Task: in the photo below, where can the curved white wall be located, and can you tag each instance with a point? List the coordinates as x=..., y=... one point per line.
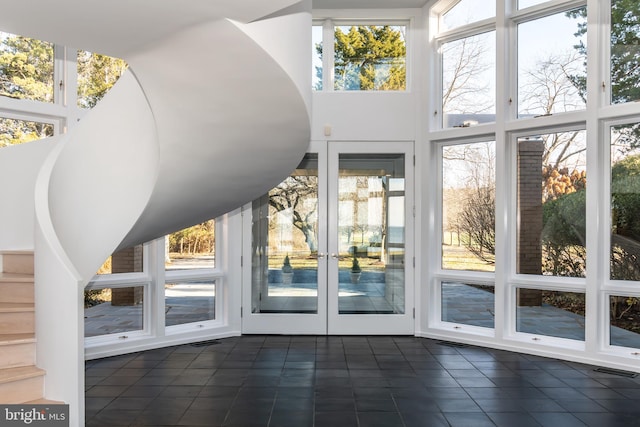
x=103, y=176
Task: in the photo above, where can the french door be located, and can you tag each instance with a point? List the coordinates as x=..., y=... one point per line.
x=331, y=247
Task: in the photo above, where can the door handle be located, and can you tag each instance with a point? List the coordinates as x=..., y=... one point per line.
x=321, y=255
x=334, y=256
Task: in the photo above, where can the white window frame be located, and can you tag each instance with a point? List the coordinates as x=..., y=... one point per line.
x=154, y=276
x=330, y=19
x=523, y=16
x=441, y=274
x=611, y=287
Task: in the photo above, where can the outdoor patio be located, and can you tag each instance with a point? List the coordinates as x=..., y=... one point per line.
x=186, y=303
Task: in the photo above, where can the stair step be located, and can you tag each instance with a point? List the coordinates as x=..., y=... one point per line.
x=17, y=350
x=16, y=307
x=16, y=288
x=17, y=318
x=17, y=262
x=12, y=339
x=16, y=277
x=16, y=374
x=23, y=384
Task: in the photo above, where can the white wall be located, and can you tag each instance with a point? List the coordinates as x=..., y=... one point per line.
x=364, y=116
x=19, y=167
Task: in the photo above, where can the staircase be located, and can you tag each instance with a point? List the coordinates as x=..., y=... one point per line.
x=20, y=380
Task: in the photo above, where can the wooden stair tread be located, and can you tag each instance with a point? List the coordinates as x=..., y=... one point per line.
x=16, y=277
x=23, y=372
x=16, y=307
x=7, y=339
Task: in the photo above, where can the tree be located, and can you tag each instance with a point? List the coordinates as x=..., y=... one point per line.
x=474, y=203
x=564, y=235
x=478, y=220
x=26, y=68
x=549, y=87
x=26, y=72
x=292, y=195
x=96, y=75
x=464, y=64
x=369, y=58
x=197, y=239
x=18, y=131
x=625, y=45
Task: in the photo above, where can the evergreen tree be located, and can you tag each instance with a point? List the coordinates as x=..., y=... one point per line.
x=26, y=72
x=625, y=50
x=369, y=58
x=26, y=68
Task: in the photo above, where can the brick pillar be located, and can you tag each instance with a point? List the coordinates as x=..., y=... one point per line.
x=529, y=252
x=127, y=261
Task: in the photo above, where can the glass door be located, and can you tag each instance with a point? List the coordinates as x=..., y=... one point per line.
x=353, y=199
x=287, y=292
x=370, y=267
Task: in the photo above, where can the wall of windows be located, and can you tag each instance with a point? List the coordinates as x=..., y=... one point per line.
x=532, y=108
x=164, y=292
x=511, y=109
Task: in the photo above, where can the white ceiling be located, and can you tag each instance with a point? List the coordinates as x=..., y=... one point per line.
x=367, y=4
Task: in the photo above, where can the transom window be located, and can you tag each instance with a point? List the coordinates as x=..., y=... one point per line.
x=366, y=57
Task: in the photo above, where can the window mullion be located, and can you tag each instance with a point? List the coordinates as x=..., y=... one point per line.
x=503, y=303
x=597, y=241
x=328, y=52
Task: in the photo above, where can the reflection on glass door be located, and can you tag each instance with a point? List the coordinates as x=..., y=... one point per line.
x=371, y=234
x=285, y=244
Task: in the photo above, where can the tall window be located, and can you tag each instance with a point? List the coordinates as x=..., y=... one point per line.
x=190, y=288
x=468, y=80
x=468, y=206
x=466, y=46
x=625, y=202
x=468, y=232
x=552, y=180
x=552, y=64
x=625, y=51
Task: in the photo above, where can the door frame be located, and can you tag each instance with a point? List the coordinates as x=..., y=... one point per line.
x=370, y=323
x=327, y=320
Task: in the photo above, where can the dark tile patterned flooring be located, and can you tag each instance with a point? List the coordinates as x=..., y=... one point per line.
x=298, y=381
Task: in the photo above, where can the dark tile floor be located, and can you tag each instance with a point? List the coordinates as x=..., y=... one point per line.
x=337, y=381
